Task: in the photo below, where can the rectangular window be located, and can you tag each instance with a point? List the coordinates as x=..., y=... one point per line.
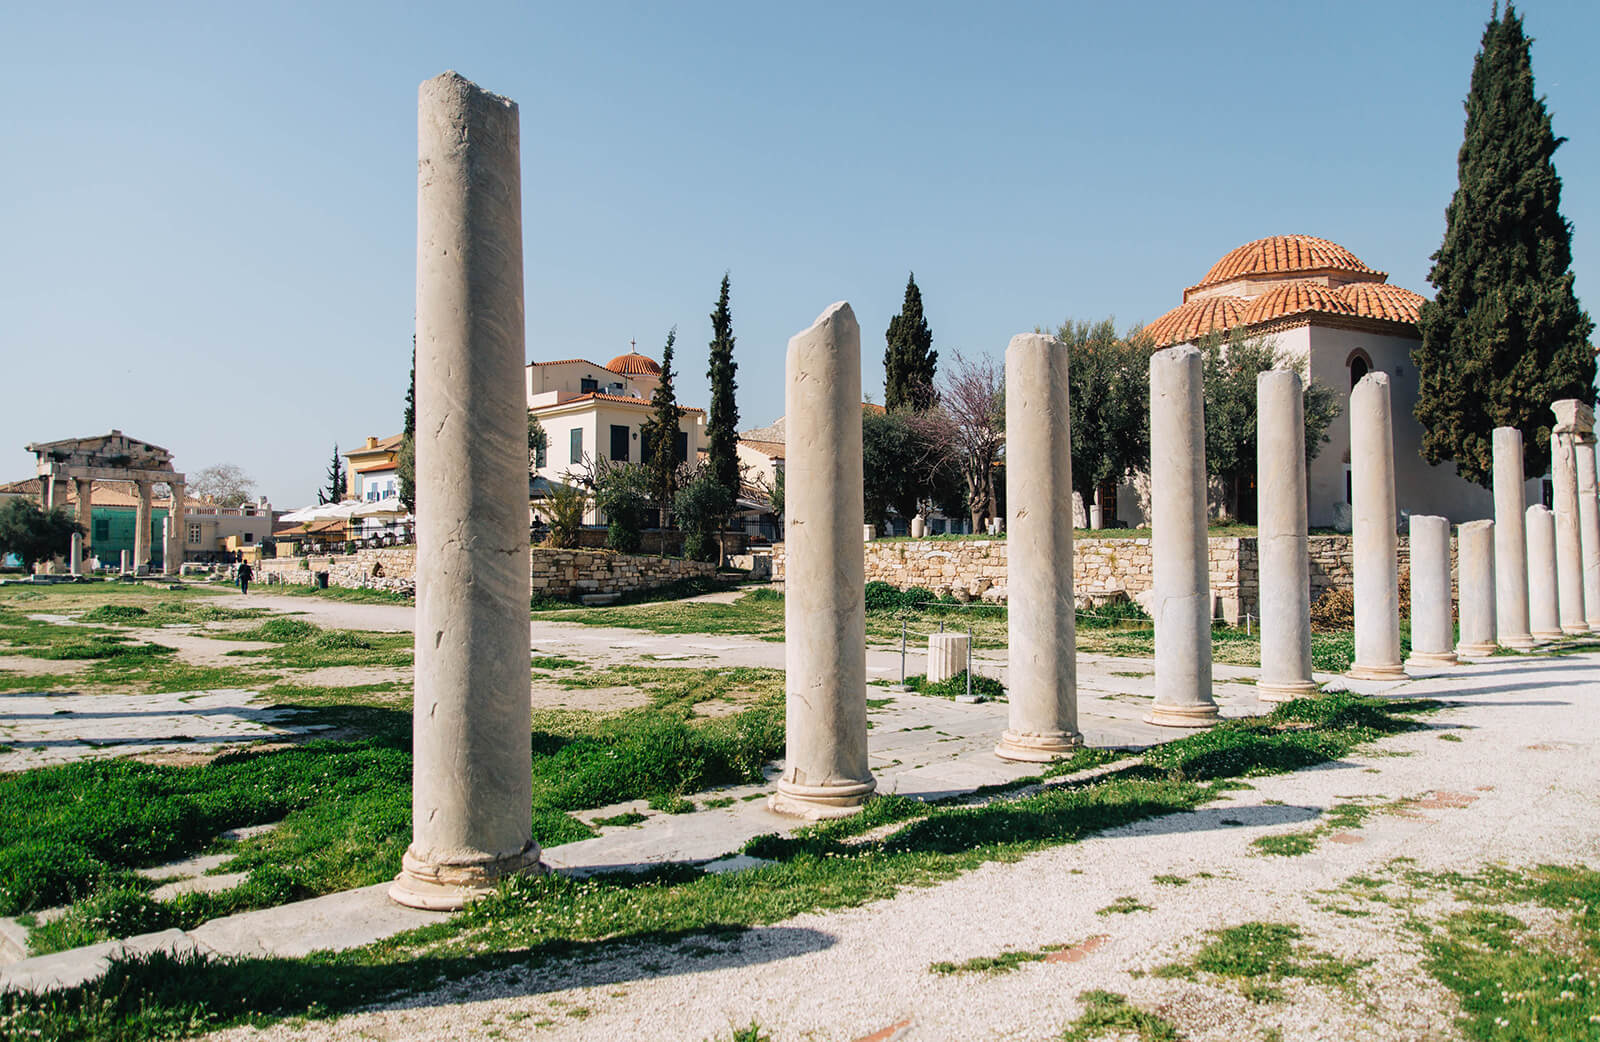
x=249, y=537
x=541, y=456
x=680, y=448
x=194, y=535
x=619, y=443
x=576, y=440
x=588, y=386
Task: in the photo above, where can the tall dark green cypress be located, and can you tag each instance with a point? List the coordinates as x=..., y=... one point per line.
x=722, y=426
x=660, y=436
x=1505, y=335
x=909, y=360
x=406, y=458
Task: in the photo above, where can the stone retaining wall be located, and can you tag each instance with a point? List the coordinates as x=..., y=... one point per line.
x=554, y=573
x=976, y=568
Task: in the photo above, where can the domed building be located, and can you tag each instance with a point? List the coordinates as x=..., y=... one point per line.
x=1321, y=302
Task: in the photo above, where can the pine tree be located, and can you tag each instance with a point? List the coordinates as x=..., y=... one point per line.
x=660, y=436
x=334, y=493
x=909, y=361
x=722, y=426
x=1505, y=335
x=406, y=458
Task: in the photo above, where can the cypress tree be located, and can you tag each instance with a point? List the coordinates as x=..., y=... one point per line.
x=722, y=426
x=336, y=476
x=660, y=436
x=1505, y=335
x=909, y=360
x=406, y=459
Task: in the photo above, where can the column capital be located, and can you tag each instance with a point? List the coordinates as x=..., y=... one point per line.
x=1573, y=416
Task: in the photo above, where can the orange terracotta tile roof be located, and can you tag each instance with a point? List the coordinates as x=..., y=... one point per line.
x=634, y=364
x=1295, y=298
x=104, y=493
x=770, y=449
x=1383, y=301
x=377, y=464
x=389, y=444
x=567, y=361
x=601, y=396
x=1193, y=320
x=1283, y=255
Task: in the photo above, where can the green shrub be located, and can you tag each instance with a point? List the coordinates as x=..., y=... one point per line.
x=115, y=613
x=282, y=631
x=341, y=639
x=988, y=687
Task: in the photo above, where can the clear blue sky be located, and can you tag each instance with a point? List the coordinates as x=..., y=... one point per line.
x=209, y=210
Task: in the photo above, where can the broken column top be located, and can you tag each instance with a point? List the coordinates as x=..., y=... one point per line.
x=1573, y=416
x=451, y=81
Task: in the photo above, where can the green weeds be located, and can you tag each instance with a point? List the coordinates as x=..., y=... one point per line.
x=1106, y=1013
x=1253, y=953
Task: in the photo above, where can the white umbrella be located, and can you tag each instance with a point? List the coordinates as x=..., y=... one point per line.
x=380, y=508
x=299, y=516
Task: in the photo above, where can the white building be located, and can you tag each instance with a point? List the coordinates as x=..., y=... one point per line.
x=592, y=412
x=1320, y=302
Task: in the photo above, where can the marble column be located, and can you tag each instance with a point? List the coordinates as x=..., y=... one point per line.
x=1588, y=526
x=141, y=530
x=1432, y=623
x=1283, y=561
x=1475, y=554
x=1569, y=545
x=825, y=772
x=472, y=777
x=1042, y=720
x=948, y=653
x=1544, y=603
x=1375, y=547
x=177, y=529
x=86, y=519
x=75, y=556
x=1178, y=541
x=1510, y=542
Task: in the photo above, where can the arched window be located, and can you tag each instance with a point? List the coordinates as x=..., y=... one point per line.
x=1360, y=364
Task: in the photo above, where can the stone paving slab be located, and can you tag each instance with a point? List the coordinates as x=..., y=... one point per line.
x=45, y=729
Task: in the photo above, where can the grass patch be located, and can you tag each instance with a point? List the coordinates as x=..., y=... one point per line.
x=1106, y=1013
x=555, y=662
x=1337, y=818
x=671, y=803
x=353, y=594
x=1124, y=905
x=622, y=820
x=1005, y=962
x=552, y=918
x=1252, y=953
x=952, y=687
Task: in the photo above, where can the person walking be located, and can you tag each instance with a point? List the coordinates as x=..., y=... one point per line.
x=245, y=574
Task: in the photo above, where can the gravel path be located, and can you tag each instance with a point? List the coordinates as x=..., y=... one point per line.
x=1520, y=787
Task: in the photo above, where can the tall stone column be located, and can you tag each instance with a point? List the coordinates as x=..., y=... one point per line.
x=1544, y=603
x=1178, y=541
x=1588, y=526
x=1043, y=710
x=1569, y=545
x=1284, y=565
x=177, y=528
x=1510, y=542
x=1432, y=624
x=1475, y=553
x=75, y=555
x=86, y=518
x=472, y=782
x=1375, y=547
x=825, y=771
x=141, y=530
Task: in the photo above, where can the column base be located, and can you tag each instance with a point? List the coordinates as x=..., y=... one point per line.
x=1517, y=641
x=1594, y=625
x=1363, y=672
x=1036, y=747
x=1431, y=659
x=820, y=802
x=1482, y=650
x=1571, y=630
x=1183, y=716
x=1285, y=692
x=1545, y=636
x=449, y=888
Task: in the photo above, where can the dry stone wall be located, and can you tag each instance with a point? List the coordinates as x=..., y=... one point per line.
x=972, y=569
x=555, y=573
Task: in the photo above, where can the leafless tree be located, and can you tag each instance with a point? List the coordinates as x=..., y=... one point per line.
x=966, y=427
x=225, y=483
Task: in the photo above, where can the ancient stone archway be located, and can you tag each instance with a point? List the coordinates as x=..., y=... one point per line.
x=113, y=457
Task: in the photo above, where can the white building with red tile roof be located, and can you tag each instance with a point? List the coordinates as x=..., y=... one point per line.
x=1322, y=303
